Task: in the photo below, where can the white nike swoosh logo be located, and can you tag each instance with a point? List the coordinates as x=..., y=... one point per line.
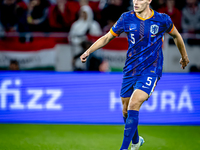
x=126, y=128
x=145, y=87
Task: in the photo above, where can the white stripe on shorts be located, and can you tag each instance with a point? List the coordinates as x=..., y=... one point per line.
x=153, y=87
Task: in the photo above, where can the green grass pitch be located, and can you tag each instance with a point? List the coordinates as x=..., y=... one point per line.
x=94, y=137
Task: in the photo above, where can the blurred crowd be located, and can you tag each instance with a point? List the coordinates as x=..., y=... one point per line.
x=93, y=17
x=80, y=18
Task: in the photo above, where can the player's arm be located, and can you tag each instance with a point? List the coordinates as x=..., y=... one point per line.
x=101, y=42
x=181, y=46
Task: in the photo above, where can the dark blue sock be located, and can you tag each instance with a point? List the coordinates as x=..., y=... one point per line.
x=130, y=128
x=135, y=138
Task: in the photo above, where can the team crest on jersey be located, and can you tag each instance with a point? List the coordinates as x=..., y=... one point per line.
x=154, y=29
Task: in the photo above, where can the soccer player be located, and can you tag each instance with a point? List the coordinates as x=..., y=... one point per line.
x=145, y=29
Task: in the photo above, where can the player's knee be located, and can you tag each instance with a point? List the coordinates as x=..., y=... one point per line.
x=134, y=105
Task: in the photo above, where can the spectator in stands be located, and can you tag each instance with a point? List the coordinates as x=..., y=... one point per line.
x=173, y=12
x=180, y=4
x=83, y=2
x=191, y=17
x=94, y=63
x=112, y=12
x=128, y=4
x=14, y=65
x=94, y=5
x=194, y=68
x=85, y=25
x=37, y=15
x=157, y=4
x=76, y=63
x=2, y=32
x=63, y=14
x=13, y=15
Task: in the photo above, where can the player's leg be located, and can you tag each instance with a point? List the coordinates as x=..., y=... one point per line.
x=125, y=102
x=135, y=102
x=144, y=87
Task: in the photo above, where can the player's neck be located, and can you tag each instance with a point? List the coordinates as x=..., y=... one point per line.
x=145, y=14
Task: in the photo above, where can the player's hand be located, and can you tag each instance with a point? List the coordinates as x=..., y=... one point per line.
x=84, y=56
x=184, y=61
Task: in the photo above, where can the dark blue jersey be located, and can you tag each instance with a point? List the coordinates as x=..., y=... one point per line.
x=145, y=38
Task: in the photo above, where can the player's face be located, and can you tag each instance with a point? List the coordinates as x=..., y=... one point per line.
x=140, y=5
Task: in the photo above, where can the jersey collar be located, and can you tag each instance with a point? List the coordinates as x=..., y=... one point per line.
x=152, y=14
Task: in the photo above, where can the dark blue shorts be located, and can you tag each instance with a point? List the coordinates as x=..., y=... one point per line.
x=146, y=83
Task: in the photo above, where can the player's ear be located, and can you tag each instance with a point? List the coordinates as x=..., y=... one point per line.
x=149, y=1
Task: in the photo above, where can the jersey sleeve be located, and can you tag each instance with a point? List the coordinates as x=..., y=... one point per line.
x=118, y=27
x=169, y=24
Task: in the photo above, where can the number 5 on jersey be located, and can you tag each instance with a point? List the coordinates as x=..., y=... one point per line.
x=132, y=39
